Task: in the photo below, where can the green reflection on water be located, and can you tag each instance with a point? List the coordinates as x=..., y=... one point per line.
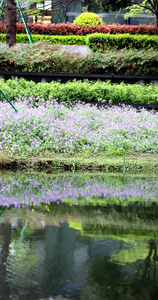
x=108, y=274
x=93, y=250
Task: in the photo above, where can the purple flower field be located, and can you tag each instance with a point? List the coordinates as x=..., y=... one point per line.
x=81, y=128
x=25, y=189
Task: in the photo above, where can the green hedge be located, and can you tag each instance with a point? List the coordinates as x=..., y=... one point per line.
x=96, y=41
x=53, y=39
x=100, y=42
x=87, y=91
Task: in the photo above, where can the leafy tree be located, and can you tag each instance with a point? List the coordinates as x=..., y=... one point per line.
x=146, y=6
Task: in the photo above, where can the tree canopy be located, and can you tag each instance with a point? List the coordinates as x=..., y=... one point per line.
x=146, y=6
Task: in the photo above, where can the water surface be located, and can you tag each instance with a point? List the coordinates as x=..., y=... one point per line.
x=78, y=236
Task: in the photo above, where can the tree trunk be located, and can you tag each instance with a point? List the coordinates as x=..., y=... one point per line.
x=11, y=23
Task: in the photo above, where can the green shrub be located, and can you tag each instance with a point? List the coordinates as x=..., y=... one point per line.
x=100, y=42
x=88, y=19
x=87, y=91
x=49, y=58
x=72, y=29
x=52, y=39
x=97, y=42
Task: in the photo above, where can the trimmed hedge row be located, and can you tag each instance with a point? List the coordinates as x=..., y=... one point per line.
x=54, y=39
x=72, y=29
x=97, y=42
x=101, y=42
x=87, y=91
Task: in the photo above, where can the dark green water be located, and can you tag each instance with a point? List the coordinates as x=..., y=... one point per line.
x=87, y=237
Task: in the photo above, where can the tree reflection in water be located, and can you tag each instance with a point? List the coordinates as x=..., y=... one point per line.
x=6, y=237
x=105, y=280
x=147, y=263
x=91, y=253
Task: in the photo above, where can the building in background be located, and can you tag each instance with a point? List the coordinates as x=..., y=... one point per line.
x=73, y=9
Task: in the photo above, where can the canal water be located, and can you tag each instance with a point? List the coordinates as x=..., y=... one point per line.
x=85, y=236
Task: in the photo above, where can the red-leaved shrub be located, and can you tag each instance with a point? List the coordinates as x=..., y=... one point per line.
x=72, y=29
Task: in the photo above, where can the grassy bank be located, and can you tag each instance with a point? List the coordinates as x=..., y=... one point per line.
x=48, y=134
x=129, y=163
x=52, y=135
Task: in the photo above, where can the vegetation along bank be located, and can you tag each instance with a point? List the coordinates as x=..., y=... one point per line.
x=48, y=134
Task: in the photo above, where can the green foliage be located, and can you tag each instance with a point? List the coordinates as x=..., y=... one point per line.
x=42, y=57
x=52, y=39
x=88, y=18
x=145, y=6
x=3, y=37
x=100, y=42
x=87, y=91
x=64, y=40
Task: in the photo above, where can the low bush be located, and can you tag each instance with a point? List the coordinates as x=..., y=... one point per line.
x=48, y=58
x=88, y=18
x=100, y=42
x=72, y=29
x=88, y=91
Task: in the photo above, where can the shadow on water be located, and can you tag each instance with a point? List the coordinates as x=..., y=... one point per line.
x=66, y=247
